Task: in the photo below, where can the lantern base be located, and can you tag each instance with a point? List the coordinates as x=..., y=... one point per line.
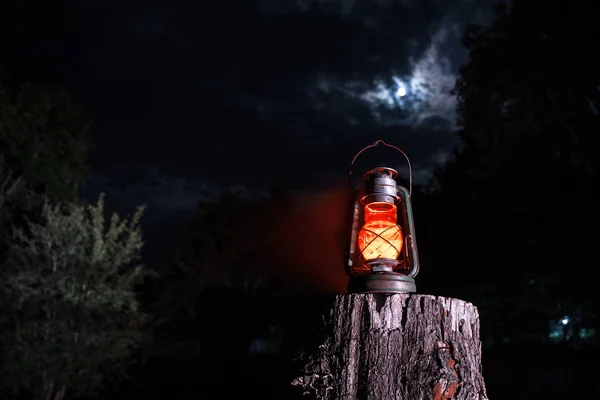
x=382, y=282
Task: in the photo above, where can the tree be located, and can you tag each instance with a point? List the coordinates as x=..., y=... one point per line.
x=521, y=185
x=212, y=279
x=44, y=142
x=70, y=318
x=216, y=253
x=44, y=137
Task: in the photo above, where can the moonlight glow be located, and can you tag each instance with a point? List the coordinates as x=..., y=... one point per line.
x=401, y=92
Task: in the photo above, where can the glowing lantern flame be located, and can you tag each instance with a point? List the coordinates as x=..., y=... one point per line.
x=380, y=237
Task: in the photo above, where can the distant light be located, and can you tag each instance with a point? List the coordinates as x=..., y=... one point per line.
x=565, y=320
x=401, y=92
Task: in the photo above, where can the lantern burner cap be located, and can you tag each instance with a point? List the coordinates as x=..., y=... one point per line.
x=381, y=172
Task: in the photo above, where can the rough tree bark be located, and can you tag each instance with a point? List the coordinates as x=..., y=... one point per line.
x=396, y=347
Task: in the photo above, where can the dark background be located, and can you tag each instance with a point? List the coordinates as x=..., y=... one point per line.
x=270, y=100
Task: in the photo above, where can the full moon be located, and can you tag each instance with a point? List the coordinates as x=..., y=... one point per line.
x=401, y=91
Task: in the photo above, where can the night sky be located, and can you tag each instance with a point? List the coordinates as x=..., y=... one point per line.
x=191, y=97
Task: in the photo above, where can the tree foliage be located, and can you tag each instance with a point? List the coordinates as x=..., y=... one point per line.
x=522, y=186
x=218, y=252
x=44, y=137
x=70, y=317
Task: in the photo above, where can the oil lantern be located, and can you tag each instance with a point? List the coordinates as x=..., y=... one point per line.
x=382, y=254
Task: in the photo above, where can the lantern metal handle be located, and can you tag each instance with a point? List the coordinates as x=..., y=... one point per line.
x=393, y=147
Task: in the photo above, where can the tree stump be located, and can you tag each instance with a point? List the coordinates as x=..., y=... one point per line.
x=396, y=347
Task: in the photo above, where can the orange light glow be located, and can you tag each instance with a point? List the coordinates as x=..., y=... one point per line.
x=380, y=237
